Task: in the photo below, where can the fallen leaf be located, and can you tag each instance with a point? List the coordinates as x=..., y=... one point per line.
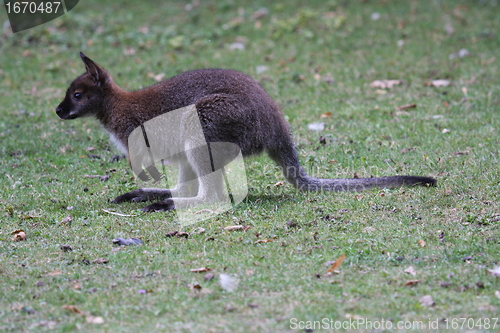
x=19, y=235
x=67, y=220
x=129, y=51
x=234, y=228
x=199, y=230
x=54, y=272
x=73, y=309
x=438, y=83
x=157, y=77
x=410, y=270
x=280, y=183
x=405, y=107
x=427, y=301
x=326, y=115
x=460, y=54
x=101, y=261
x=336, y=264
x=178, y=234
x=200, y=270
x=94, y=320
x=385, y=84
x=261, y=69
x=495, y=271
x=445, y=130
x=263, y=241
x=261, y=12
x=127, y=241
x=237, y=46
x=421, y=242
x=228, y=282
x=316, y=126
x=412, y=282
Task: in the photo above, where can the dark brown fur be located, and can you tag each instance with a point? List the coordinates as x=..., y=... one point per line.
x=232, y=107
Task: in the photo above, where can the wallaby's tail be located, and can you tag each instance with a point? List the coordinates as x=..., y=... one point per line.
x=285, y=155
x=308, y=183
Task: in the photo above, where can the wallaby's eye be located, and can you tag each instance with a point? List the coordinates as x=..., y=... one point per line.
x=77, y=96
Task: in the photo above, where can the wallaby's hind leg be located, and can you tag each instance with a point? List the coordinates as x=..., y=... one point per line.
x=143, y=194
x=201, y=185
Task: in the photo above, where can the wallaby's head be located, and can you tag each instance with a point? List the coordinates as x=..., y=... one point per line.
x=86, y=96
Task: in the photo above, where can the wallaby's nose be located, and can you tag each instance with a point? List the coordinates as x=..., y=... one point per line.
x=59, y=111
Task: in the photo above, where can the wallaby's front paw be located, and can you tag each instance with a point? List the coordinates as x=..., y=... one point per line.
x=164, y=205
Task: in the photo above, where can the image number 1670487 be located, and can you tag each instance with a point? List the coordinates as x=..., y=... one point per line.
x=31, y=7
x=25, y=15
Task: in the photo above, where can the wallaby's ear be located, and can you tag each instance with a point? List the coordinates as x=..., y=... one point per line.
x=97, y=72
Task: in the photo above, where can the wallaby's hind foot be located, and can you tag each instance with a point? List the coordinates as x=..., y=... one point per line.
x=143, y=194
x=164, y=205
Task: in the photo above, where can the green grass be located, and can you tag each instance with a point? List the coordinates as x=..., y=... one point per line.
x=45, y=162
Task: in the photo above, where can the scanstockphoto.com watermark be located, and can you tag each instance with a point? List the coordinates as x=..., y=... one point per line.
x=431, y=324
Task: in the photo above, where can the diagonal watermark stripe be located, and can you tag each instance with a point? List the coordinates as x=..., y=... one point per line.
x=211, y=176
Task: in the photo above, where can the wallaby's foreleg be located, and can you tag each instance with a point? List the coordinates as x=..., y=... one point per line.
x=186, y=176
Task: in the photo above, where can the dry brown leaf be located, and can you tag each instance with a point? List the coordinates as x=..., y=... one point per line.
x=73, y=309
x=263, y=241
x=410, y=270
x=385, y=84
x=336, y=264
x=422, y=243
x=234, y=228
x=19, y=235
x=54, y=272
x=326, y=115
x=405, y=107
x=412, y=282
x=200, y=270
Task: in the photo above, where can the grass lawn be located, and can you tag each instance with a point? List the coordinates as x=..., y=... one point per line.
x=415, y=258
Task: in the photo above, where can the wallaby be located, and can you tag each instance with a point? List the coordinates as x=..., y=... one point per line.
x=231, y=106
